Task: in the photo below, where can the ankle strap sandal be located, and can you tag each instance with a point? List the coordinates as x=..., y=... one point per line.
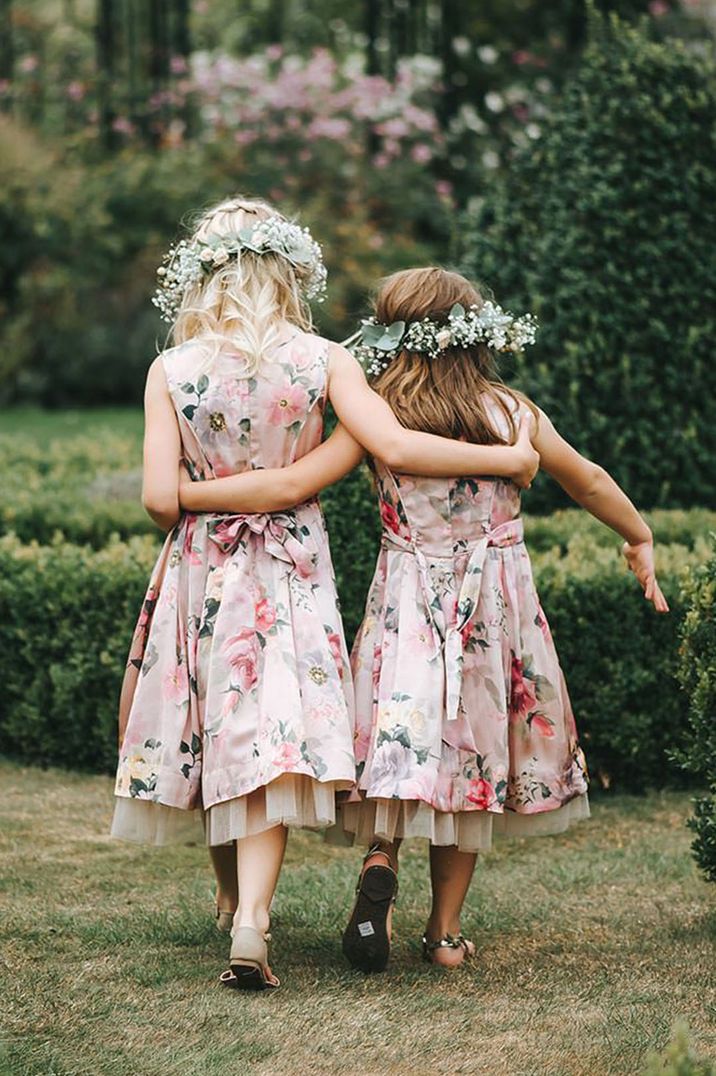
x=450, y=941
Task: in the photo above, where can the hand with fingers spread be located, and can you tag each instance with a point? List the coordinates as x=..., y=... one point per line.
x=640, y=558
x=526, y=455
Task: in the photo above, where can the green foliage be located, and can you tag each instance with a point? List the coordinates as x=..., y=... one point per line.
x=606, y=229
x=698, y=677
x=67, y=616
x=678, y=1058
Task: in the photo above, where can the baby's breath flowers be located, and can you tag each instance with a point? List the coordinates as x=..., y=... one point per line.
x=376, y=345
x=189, y=262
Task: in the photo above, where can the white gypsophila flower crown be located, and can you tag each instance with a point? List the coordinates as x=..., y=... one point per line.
x=376, y=345
x=191, y=261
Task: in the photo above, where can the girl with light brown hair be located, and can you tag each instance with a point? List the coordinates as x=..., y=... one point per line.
x=464, y=727
x=237, y=704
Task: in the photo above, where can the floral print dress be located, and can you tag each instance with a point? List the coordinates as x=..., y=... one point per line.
x=464, y=725
x=238, y=688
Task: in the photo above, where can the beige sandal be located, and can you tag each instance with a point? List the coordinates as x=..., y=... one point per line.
x=248, y=963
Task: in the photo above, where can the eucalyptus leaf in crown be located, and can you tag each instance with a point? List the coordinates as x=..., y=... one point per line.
x=190, y=262
x=376, y=345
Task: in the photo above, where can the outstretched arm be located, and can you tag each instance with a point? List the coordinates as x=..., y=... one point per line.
x=595, y=490
x=274, y=489
x=370, y=420
x=162, y=449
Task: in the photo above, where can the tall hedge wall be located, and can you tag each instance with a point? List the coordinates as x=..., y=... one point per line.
x=606, y=229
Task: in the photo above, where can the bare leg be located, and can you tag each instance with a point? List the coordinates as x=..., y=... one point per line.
x=223, y=859
x=450, y=875
x=258, y=860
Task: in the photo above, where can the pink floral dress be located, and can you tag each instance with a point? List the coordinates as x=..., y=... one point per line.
x=238, y=688
x=464, y=725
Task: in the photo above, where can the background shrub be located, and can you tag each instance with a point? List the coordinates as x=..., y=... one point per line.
x=698, y=676
x=606, y=228
x=67, y=617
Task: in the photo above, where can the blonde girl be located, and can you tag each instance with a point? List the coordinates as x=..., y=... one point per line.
x=464, y=726
x=237, y=704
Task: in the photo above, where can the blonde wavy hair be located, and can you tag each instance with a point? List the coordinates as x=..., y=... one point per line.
x=242, y=305
x=452, y=393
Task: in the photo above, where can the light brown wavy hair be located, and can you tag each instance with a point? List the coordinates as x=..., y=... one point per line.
x=451, y=394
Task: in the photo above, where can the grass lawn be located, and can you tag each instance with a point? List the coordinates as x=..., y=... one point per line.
x=45, y=426
x=590, y=946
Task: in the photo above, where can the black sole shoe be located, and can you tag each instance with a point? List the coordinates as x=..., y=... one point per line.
x=366, y=944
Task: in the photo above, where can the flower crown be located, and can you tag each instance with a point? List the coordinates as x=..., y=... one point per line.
x=376, y=345
x=187, y=263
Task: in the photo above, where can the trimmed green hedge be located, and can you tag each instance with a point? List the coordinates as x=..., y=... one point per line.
x=698, y=676
x=67, y=613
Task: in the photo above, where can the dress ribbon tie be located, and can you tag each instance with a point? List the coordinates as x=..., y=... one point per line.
x=452, y=636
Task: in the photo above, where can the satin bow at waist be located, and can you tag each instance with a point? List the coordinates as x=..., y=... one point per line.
x=451, y=636
x=285, y=536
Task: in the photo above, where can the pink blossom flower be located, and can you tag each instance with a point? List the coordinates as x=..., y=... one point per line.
x=28, y=64
x=443, y=188
x=334, y=642
x=265, y=615
x=481, y=793
x=361, y=742
x=390, y=517
x=240, y=651
x=178, y=65
x=522, y=695
x=657, y=8
x=75, y=90
x=421, y=153
x=274, y=52
x=123, y=126
x=176, y=684
x=541, y=724
x=287, y=757
x=288, y=404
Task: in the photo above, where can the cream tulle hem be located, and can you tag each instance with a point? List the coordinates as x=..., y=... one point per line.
x=471, y=831
x=291, y=800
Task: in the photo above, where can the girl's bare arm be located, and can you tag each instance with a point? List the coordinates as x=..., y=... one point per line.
x=275, y=489
x=162, y=449
x=595, y=490
x=370, y=420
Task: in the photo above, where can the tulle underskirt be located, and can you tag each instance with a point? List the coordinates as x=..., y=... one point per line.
x=291, y=800
x=299, y=801
x=471, y=831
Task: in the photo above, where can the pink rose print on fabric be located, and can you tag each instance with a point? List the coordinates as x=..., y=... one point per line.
x=240, y=651
x=265, y=615
x=541, y=724
x=390, y=517
x=287, y=757
x=188, y=551
x=287, y=405
x=176, y=685
x=522, y=695
x=334, y=642
x=541, y=622
x=481, y=793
